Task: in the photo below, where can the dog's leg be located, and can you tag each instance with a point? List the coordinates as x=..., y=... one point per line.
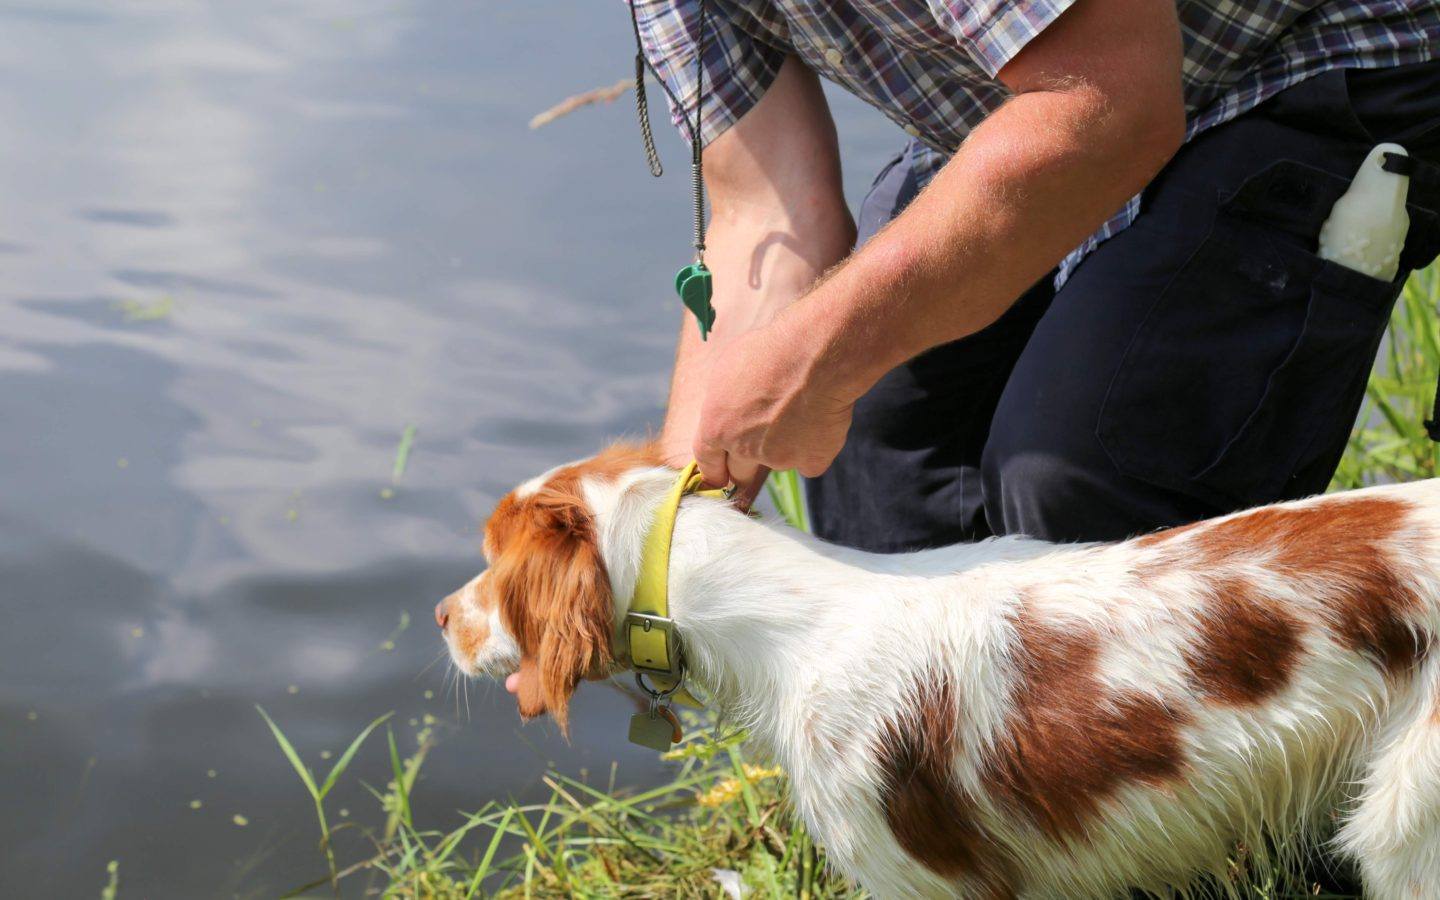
x=1394, y=832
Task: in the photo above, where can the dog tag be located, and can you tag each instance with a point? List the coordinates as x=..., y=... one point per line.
x=651, y=731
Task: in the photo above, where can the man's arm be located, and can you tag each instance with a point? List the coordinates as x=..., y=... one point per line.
x=778, y=221
x=1097, y=111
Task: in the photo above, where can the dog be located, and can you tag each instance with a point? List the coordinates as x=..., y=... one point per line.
x=1014, y=718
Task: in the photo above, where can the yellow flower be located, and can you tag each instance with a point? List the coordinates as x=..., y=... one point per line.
x=723, y=792
x=760, y=773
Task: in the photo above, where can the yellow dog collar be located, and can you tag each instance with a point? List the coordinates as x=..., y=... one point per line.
x=654, y=643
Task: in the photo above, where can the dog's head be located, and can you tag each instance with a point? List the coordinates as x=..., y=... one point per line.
x=544, y=609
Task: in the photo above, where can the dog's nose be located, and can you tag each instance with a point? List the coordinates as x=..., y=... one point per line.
x=441, y=616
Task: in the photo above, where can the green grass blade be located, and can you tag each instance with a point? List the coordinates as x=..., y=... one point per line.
x=401, y=790
x=451, y=841
x=747, y=790
x=290, y=754
x=536, y=843
x=111, y=889
x=787, y=492
x=1386, y=407
x=483, y=868
x=343, y=762
x=402, y=453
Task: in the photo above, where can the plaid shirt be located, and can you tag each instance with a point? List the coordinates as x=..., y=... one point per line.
x=930, y=65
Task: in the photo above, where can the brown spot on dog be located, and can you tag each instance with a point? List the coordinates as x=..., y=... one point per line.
x=1070, y=743
x=1247, y=644
x=550, y=581
x=501, y=526
x=554, y=596
x=932, y=818
x=509, y=515
x=1337, y=549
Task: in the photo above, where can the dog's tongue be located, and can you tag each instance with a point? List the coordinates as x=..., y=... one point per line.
x=512, y=682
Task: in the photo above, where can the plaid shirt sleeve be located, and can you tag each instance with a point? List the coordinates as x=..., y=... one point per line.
x=997, y=30
x=737, y=67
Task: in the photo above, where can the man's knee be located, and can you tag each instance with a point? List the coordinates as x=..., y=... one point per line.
x=1031, y=491
x=1058, y=494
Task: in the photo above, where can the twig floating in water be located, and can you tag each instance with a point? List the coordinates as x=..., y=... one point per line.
x=588, y=98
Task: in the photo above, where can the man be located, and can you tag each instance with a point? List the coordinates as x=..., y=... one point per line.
x=1085, y=301
x=946, y=381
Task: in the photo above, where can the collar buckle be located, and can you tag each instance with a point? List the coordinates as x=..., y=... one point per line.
x=654, y=644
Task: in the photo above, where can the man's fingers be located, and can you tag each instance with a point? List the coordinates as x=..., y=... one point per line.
x=746, y=493
x=712, y=464
x=812, y=469
x=743, y=472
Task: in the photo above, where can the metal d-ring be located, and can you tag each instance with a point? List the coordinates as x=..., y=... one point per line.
x=657, y=696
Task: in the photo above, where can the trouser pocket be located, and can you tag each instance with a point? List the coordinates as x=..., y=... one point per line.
x=1249, y=364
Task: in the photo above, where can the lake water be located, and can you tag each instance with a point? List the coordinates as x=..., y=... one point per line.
x=244, y=246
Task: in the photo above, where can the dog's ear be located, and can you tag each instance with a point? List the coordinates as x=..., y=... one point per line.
x=555, y=596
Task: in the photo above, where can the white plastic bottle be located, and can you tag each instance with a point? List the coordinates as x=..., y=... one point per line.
x=1367, y=226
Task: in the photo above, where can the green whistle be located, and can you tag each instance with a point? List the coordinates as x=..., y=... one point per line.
x=695, y=287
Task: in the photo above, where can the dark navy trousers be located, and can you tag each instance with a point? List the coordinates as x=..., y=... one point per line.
x=1202, y=361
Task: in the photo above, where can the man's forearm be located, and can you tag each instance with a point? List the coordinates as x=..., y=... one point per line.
x=1028, y=186
x=1097, y=112
x=778, y=221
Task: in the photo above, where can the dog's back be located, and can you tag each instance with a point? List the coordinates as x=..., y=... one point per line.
x=1160, y=702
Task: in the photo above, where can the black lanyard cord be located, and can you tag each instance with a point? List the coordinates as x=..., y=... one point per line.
x=642, y=112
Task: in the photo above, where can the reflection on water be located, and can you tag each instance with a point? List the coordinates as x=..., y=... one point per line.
x=244, y=246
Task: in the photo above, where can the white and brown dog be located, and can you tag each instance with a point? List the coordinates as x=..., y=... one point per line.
x=1014, y=718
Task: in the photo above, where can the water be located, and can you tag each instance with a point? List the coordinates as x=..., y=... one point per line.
x=243, y=247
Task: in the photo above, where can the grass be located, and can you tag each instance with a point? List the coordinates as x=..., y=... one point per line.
x=318, y=794
x=787, y=492
x=721, y=818
x=1390, y=443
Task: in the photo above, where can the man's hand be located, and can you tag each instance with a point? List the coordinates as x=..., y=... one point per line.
x=767, y=406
